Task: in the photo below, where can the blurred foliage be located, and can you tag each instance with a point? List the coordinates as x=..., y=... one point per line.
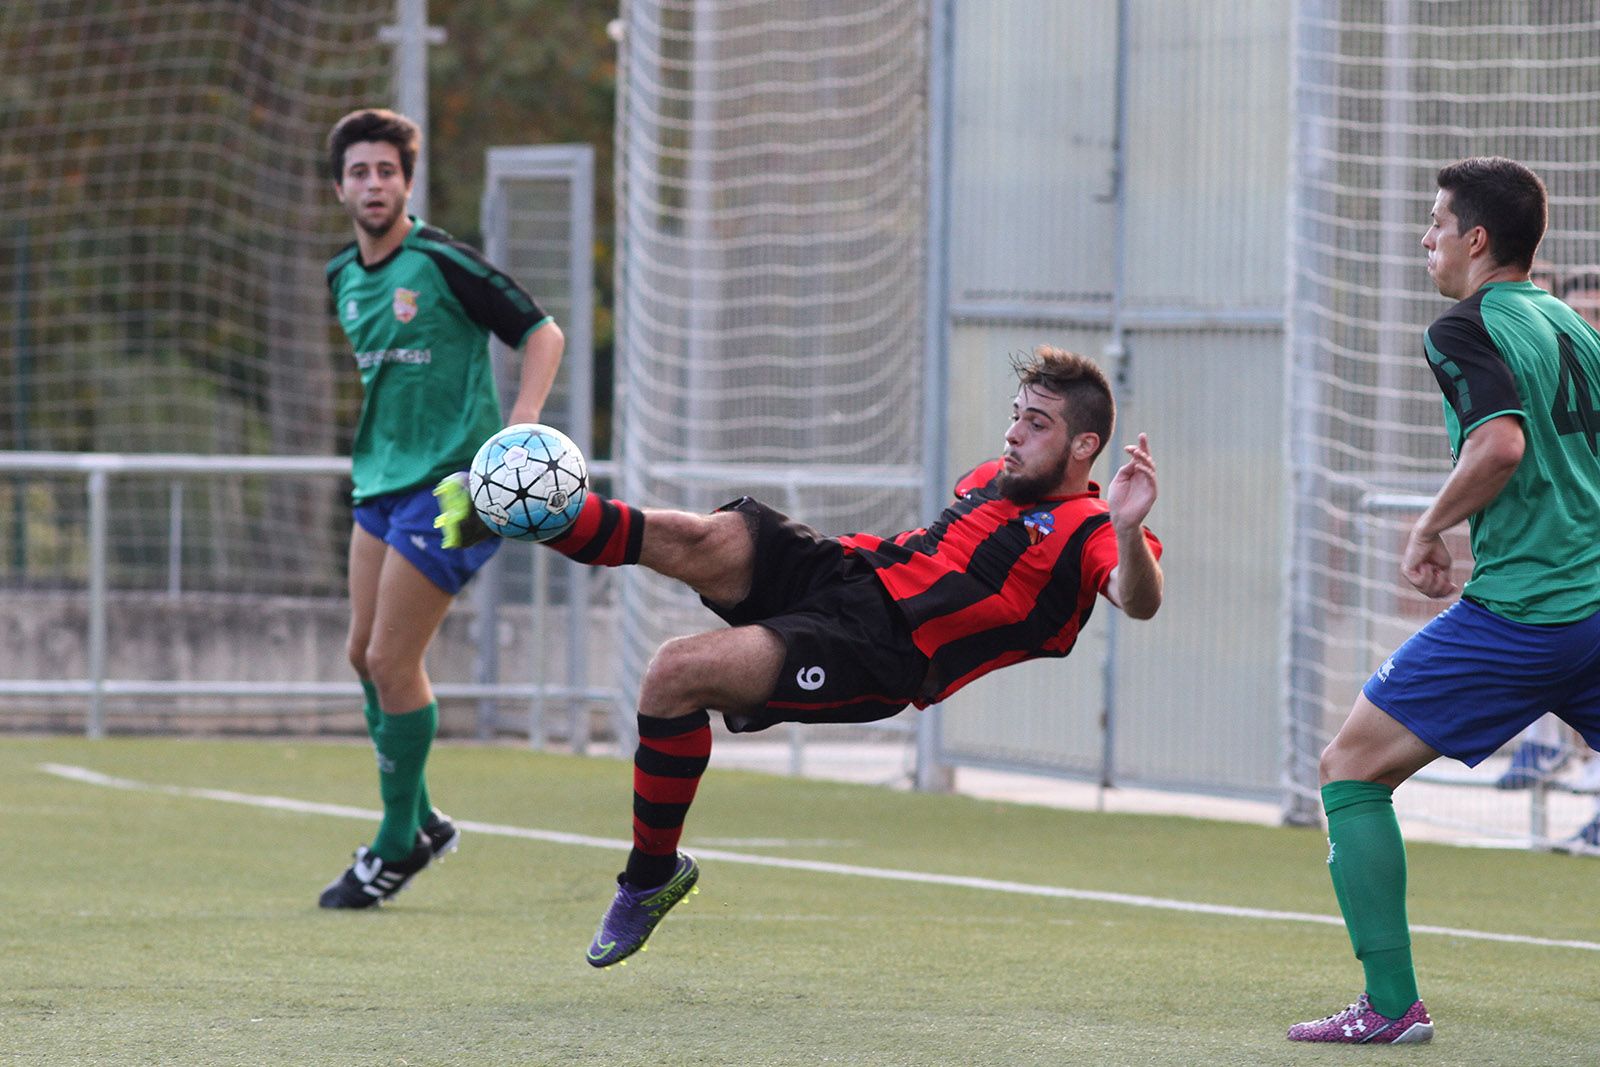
x=168, y=215
x=526, y=72
x=166, y=222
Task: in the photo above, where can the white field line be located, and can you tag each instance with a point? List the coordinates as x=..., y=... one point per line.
x=992, y=885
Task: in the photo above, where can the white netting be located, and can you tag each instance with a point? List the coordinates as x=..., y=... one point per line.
x=166, y=220
x=772, y=183
x=1385, y=93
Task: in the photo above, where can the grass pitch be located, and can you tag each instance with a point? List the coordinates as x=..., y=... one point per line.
x=149, y=927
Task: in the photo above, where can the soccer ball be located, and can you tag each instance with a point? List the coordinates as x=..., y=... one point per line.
x=528, y=482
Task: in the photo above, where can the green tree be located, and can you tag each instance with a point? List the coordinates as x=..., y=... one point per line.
x=520, y=72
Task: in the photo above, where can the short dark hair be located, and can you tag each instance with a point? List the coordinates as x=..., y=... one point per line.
x=1079, y=382
x=374, y=124
x=1505, y=198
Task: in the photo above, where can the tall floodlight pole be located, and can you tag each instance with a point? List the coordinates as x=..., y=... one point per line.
x=411, y=35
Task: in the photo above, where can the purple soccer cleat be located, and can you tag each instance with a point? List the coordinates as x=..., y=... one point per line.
x=1360, y=1025
x=634, y=913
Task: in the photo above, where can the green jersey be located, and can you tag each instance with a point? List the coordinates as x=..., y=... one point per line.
x=419, y=322
x=1513, y=349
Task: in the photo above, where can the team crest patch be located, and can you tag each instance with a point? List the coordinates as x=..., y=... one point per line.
x=405, y=304
x=1039, y=524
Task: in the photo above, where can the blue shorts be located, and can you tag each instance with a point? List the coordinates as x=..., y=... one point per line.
x=1470, y=680
x=404, y=522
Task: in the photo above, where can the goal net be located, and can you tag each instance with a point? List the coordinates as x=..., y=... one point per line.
x=167, y=215
x=1385, y=92
x=771, y=249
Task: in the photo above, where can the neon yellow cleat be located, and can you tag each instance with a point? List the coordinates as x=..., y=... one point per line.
x=457, y=517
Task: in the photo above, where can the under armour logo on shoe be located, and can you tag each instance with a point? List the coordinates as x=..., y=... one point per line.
x=1351, y=1029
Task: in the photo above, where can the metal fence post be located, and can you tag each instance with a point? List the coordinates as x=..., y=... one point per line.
x=931, y=774
x=98, y=479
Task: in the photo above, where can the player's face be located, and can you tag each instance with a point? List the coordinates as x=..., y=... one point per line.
x=373, y=187
x=1449, y=251
x=1039, y=447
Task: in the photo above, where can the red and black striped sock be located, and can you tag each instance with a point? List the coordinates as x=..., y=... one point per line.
x=671, y=757
x=607, y=533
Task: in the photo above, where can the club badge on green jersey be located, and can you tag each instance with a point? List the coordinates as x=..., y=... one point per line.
x=405, y=304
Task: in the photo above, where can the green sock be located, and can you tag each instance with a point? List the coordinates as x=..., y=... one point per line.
x=374, y=716
x=1367, y=861
x=402, y=742
x=424, y=802
x=371, y=710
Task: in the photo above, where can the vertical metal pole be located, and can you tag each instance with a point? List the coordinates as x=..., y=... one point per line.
x=411, y=35
x=97, y=602
x=1116, y=355
x=1539, y=815
x=702, y=261
x=488, y=585
x=580, y=361
x=20, y=399
x=627, y=143
x=174, y=539
x=1398, y=250
x=797, y=741
x=486, y=599
x=541, y=658
x=931, y=774
x=1304, y=622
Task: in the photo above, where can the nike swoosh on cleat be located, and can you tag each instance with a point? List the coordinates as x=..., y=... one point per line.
x=607, y=947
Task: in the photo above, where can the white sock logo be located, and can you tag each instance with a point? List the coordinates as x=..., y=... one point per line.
x=810, y=678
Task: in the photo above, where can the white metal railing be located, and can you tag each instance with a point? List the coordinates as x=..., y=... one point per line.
x=98, y=469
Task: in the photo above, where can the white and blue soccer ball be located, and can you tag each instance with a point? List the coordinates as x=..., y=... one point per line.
x=528, y=482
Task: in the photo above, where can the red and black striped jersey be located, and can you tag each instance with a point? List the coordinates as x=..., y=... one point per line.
x=993, y=583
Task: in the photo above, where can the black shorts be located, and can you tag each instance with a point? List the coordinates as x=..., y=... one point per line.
x=849, y=654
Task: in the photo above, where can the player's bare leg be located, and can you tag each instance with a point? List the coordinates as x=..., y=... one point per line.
x=407, y=612
x=720, y=670
x=367, y=555
x=712, y=554
x=395, y=611
x=365, y=568
x=730, y=670
x=1372, y=746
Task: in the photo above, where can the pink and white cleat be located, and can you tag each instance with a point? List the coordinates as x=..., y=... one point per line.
x=1360, y=1025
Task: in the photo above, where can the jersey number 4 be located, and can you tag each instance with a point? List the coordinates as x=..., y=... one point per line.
x=1574, y=410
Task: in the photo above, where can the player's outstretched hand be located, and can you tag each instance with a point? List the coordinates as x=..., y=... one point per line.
x=1132, y=492
x=457, y=518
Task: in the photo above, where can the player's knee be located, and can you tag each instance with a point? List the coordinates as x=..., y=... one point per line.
x=386, y=666
x=1340, y=762
x=681, y=535
x=356, y=652
x=1327, y=764
x=672, y=680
